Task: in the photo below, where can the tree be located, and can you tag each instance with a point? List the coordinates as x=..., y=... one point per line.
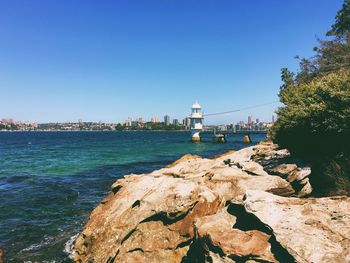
x=331, y=54
x=314, y=121
x=341, y=27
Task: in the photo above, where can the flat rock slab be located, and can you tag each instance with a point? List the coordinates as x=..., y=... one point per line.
x=311, y=230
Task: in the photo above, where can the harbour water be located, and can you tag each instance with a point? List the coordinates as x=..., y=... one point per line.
x=51, y=181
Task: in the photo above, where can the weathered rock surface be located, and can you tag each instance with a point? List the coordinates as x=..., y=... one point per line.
x=312, y=230
x=218, y=231
x=276, y=162
x=193, y=210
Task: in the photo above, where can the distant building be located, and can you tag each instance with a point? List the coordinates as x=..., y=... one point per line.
x=128, y=122
x=273, y=118
x=154, y=120
x=186, y=123
x=250, y=119
x=257, y=121
x=167, y=120
x=141, y=120
x=176, y=122
x=222, y=127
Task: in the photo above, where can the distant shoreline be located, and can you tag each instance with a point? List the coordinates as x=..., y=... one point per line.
x=95, y=131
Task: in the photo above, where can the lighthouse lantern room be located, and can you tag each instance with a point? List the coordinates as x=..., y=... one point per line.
x=196, y=124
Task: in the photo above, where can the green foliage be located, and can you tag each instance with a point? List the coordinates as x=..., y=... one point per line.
x=314, y=121
x=341, y=27
x=332, y=54
x=316, y=117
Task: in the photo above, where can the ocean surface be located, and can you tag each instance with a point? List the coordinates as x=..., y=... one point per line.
x=51, y=181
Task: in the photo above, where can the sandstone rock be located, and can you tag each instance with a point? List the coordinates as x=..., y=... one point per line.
x=179, y=213
x=184, y=158
x=154, y=242
x=232, y=182
x=306, y=188
x=312, y=230
x=160, y=209
x=276, y=162
x=252, y=168
x=144, y=199
x=218, y=231
x=215, y=258
x=223, y=154
x=299, y=174
x=283, y=170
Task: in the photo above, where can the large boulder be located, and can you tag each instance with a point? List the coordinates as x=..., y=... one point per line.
x=159, y=210
x=236, y=207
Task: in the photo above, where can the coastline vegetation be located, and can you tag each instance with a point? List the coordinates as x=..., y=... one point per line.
x=314, y=121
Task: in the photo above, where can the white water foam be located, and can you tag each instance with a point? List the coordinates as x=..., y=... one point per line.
x=68, y=246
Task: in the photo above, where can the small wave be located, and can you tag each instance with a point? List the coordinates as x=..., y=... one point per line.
x=68, y=246
x=37, y=246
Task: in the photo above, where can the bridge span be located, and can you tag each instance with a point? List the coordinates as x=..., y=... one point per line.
x=221, y=136
x=246, y=132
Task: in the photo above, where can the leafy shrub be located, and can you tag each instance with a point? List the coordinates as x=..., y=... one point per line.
x=315, y=121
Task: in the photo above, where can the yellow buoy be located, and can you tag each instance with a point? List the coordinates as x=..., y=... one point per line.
x=196, y=139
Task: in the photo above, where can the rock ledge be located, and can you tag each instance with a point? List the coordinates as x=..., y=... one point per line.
x=242, y=206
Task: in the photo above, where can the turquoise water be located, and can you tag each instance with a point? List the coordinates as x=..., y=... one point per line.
x=50, y=181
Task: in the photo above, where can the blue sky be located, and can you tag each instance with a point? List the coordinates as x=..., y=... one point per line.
x=106, y=60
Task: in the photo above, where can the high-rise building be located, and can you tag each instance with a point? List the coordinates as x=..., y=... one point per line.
x=167, y=120
x=176, y=122
x=186, y=123
x=273, y=118
x=257, y=121
x=250, y=119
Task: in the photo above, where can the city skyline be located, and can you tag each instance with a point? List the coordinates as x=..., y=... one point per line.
x=130, y=121
x=93, y=61
x=156, y=119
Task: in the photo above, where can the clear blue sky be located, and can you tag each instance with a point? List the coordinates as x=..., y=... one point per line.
x=106, y=60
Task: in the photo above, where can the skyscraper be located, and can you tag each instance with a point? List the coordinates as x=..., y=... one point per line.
x=167, y=120
x=186, y=122
x=250, y=119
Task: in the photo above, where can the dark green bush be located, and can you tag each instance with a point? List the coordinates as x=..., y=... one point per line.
x=315, y=119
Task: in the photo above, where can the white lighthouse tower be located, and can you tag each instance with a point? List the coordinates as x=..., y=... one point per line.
x=196, y=124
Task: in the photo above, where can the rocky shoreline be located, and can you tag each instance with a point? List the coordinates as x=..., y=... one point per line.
x=252, y=205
